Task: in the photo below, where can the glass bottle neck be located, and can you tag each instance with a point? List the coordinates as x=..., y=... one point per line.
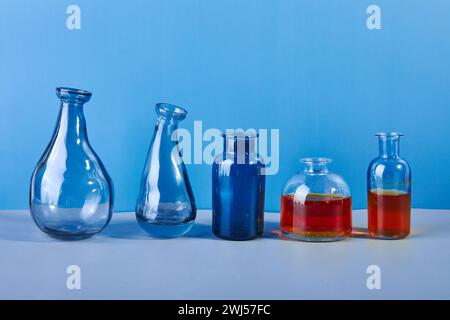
x=316, y=167
x=169, y=115
x=388, y=147
x=72, y=125
x=239, y=148
x=167, y=128
x=239, y=145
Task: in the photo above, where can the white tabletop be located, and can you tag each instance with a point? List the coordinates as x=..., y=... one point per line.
x=123, y=263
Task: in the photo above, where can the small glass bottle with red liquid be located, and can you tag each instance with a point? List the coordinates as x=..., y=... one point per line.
x=389, y=191
x=316, y=205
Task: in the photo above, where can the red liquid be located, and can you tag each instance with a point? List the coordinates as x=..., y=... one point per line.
x=389, y=214
x=318, y=218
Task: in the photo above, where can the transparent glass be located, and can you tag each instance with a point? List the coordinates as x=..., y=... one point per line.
x=389, y=190
x=238, y=183
x=316, y=205
x=165, y=206
x=71, y=194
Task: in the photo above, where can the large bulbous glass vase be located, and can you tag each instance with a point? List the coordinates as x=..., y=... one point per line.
x=71, y=195
x=165, y=207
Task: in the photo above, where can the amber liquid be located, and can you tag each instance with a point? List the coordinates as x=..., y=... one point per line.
x=317, y=218
x=389, y=214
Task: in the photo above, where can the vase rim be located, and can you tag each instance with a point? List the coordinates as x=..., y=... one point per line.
x=69, y=90
x=393, y=134
x=73, y=95
x=316, y=160
x=239, y=135
x=171, y=108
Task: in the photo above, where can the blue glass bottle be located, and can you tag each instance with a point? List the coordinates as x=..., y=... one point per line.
x=71, y=195
x=165, y=206
x=238, y=183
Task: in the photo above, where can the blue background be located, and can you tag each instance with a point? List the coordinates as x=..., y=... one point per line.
x=309, y=68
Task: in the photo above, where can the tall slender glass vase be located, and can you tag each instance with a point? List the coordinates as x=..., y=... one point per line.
x=165, y=206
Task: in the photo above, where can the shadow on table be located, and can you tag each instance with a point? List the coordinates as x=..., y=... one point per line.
x=204, y=231
x=130, y=230
x=20, y=227
x=23, y=231
x=25, y=236
x=361, y=233
x=272, y=231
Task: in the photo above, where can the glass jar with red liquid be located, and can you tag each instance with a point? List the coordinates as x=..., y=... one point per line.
x=316, y=205
x=389, y=191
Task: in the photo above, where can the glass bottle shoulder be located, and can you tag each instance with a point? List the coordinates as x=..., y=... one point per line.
x=229, y=165
x=230, y=159
x=389, y=174
x=317, y=183
x=394, y=164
